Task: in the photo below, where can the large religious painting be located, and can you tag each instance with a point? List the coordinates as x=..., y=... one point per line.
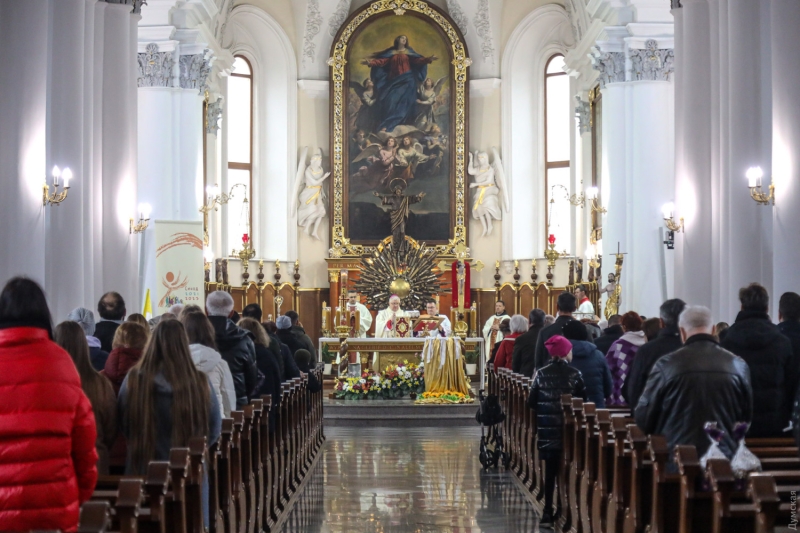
x=399, y=122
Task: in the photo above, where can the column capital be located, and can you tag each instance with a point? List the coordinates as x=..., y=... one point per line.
x=194, y=71
x=155, y=67
x=213, y=114
x=611, y=66
x=583, y=114
x=652, y=63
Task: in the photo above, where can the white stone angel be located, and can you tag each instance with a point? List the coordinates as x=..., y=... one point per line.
x=491, y=196
x=309, y=193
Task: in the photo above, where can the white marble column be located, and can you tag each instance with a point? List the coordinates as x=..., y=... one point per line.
x=785, y=19
x=119, y=248
x=23, y=153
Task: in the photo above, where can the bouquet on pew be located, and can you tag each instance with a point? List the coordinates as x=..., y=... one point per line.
x=715, y=435
x=744, y=461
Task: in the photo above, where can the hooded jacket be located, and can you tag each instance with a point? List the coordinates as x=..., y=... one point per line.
x=620, y=358
x=305, y=341
x=238, y=350
x=699, y=383
x=47, y=462
x=119, y=363
x=549, y=383
x=594, y=369
x=287, y=337
x=209, y=361
x=768, y=353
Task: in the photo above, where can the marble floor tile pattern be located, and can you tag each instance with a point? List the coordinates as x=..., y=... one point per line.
x=424, y=480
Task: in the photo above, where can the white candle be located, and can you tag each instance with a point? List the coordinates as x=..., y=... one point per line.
x=67, y=174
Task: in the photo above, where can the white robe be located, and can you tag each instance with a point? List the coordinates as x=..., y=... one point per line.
x=487, y=333
x=381, y=331
x=585, y=310
x=445, y=325
x=365, y=317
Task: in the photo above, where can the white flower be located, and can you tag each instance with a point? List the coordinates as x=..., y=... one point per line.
x=362, y=380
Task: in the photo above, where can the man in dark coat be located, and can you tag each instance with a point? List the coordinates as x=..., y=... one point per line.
x=612, y=333
x=523, y=358
x=768, y=353
x=700, y=382
x=549, y=384
x=667, y=341
x=111, y=309
x=300, y=334
x=235, y=345
x=566, y=306
x=292, y=345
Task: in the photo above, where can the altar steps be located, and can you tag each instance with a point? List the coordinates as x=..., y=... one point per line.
x=396, y=413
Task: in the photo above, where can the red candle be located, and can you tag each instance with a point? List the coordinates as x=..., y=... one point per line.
x=245, y=238
x=552, y=239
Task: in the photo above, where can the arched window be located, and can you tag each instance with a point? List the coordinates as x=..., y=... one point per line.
x=240, y=150
x=557, y=123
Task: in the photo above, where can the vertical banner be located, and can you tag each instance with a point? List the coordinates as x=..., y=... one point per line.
x=179, y=264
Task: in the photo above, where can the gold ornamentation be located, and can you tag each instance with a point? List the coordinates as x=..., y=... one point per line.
x=479, y=265
x=340, y=244
x=399, y=11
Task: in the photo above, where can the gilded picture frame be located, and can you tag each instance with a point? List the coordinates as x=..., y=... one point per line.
x=342, y=245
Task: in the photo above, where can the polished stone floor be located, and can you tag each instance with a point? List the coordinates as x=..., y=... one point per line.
x=425, y=480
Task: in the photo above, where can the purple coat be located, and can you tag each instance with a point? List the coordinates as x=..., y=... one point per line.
x=620, y=361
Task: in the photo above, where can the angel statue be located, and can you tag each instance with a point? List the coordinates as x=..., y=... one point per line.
x=426, y=97
x=309, y=193
x=490, y=182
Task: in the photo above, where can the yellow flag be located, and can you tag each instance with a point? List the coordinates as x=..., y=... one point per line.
x=148, y=307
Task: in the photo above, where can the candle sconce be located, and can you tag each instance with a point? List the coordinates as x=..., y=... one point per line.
x=144, y=219
x=668, y=211
x=214, y=199
x=578, y=200
x=57, y=196
x=754, y=175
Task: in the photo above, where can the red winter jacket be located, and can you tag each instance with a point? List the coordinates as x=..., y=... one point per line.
x=503, y=357
x=47, y=434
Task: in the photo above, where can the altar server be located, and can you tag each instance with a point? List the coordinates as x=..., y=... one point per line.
x=386, y=321
x=444, y=326
x=491, y=329
x=365, y=316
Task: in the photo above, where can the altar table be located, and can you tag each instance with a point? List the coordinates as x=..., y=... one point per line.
x=393, y=351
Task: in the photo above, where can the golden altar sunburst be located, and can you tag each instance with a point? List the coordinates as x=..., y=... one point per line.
x=408, y=272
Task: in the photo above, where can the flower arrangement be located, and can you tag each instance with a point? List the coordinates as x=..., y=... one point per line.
x=396, y=381
x=444, y=397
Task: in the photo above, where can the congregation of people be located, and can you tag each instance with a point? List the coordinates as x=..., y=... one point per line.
x=108, y=394
x=675, y=373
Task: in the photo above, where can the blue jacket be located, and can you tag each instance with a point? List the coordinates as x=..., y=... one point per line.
x=596, y=374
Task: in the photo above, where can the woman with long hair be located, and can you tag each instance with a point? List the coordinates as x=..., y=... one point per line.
x=165, y=400
x=71, y=336
x=265, y=359
x=208, y=360
x=43, y=408
x=127, y=349
x=138, y=318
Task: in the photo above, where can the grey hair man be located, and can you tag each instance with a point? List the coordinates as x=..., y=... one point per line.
x=667, y=341
x=698, y=383
x=235, y=345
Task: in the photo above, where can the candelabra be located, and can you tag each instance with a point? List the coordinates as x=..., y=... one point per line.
x=593, y=194
x=214, y=199
x=57, y=196
x=754, y=175
x=144, y=219
x=246, y=254
x=551, y=254
x=668, y=211
x=578, y=200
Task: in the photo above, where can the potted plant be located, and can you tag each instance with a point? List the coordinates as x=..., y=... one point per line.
x=471, y=359
x=327, y=358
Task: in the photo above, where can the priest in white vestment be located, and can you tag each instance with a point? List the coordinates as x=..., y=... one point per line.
x=365, y=317
x=444, y=327
x=386, y=320
x=491, y=329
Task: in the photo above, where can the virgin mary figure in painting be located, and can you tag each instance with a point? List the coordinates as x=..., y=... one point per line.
x=396, y=73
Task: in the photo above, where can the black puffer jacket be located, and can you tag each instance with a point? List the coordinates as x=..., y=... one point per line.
x=549, y=383
x=542, y=355
x=523, y=357
x=594, y=369
x=668, y=340
x=768, y=353
x=289, y=339
x=237, y=348
x=699, y=383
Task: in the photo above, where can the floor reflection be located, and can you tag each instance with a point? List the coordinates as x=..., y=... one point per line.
x=407, y=480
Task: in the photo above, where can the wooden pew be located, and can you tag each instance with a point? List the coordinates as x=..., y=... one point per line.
x=194, y=485
x=175, y=507
x=94, y=517
x=619, y=497
x=589, y=471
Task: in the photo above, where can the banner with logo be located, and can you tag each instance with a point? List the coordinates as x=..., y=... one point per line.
x=179, y=264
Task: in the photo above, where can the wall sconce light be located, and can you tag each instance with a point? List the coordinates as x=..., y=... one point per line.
x=754, y=175
x=213, y=200
x=144, y=218
x=668, y=211
x=592, y=194
x=58, y=196
x=576, y=200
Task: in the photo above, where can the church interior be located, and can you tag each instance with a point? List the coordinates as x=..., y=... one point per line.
x=363, y=221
